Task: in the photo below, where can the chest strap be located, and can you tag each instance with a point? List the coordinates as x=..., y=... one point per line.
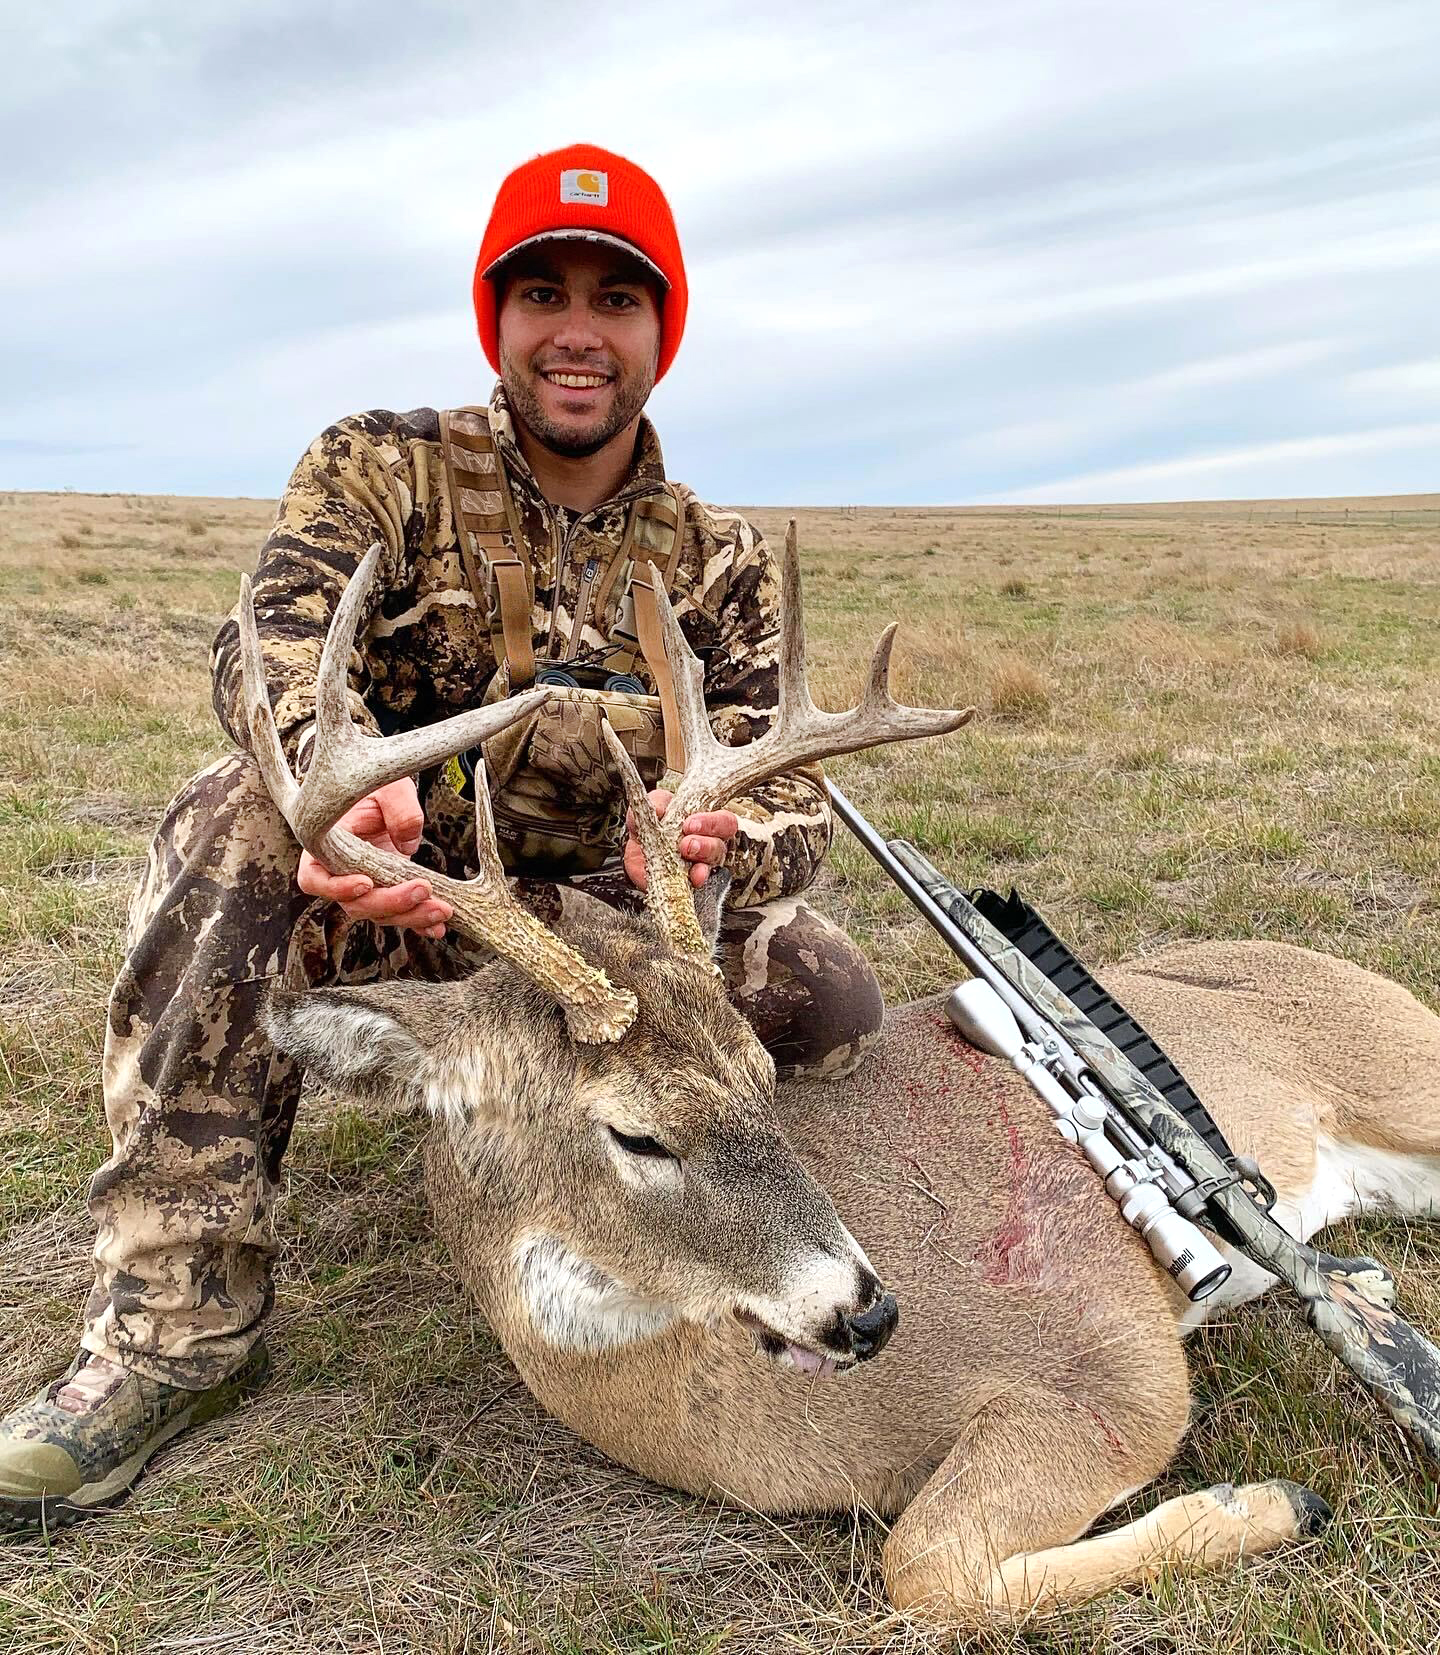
x=501, y=574
x=652, y=647
x=492, y=543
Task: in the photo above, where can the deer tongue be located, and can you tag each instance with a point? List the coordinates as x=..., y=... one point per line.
x=811, y=1361
x=776, y=1346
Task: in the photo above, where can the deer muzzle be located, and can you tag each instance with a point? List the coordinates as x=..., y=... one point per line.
x=853, y=1331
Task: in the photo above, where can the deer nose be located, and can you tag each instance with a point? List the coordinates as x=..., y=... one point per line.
x=870, y=1330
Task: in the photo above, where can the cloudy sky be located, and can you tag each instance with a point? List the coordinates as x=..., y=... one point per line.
x=1019, y=250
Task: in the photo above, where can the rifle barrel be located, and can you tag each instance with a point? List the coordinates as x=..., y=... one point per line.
x=929, y=909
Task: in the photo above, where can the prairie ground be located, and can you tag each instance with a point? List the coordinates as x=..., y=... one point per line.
x=1196, y=721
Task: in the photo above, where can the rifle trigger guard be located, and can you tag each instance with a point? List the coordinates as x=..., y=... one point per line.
x=1254, y=1182
x=1245, y=1175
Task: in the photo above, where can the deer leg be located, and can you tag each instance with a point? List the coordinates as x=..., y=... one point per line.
x=1353, y=1177
x=1382, y=1161
x=993, y=1536
x=1378, y=1129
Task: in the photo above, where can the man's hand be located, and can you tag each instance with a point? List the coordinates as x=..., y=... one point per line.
x=391, y=819
x=705, y=841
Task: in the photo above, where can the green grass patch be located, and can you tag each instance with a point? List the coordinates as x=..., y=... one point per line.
x=1189, y=729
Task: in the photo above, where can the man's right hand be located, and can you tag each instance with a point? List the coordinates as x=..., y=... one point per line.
x=391, y=819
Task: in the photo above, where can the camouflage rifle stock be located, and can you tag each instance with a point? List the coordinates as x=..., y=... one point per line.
x=1349, y=1303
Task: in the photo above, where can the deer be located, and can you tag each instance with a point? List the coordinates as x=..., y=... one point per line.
x=901, y=1291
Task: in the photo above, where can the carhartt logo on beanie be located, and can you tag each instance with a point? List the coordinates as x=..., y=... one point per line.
x=587, y=186
x=593, y=194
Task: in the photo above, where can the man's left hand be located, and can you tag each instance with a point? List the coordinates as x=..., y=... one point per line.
x=704, y=841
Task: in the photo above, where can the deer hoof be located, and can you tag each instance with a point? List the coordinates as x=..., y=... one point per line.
x=1312, y=1514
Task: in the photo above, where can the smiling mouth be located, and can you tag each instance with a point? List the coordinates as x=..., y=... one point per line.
x=785, y=1353
x=576, y=382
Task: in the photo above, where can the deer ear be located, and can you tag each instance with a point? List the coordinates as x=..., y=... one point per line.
x=412, y=1044
x=360, y=1042
x=710, y=905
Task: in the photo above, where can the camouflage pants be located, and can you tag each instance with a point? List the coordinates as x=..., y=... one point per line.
x=200, y=1107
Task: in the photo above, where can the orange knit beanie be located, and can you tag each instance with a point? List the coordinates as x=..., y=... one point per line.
x=591, y=193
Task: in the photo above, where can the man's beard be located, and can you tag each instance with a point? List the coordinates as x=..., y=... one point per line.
x=630, y=397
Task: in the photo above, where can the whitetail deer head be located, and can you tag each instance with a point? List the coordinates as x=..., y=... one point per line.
x=599, y=1089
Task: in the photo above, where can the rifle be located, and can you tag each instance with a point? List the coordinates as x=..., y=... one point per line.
x=1013, y=1009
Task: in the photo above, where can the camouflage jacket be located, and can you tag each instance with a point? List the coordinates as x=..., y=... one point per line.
x=426, y=647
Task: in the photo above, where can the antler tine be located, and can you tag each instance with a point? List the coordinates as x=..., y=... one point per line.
x=794, y=698
x=802, y=732
x=347, y=764
x=877, y=685
x=667, y=879
x=595, y=1010
x=275, y=770
x=687, y=673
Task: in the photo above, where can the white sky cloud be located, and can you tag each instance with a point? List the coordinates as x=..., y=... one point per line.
x=936, y=253
x=1225, y=470
x=1402, y=380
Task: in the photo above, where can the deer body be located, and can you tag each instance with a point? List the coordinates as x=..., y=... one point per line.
x=1011, y=1265
x=697, y=1270
x=988, y=1227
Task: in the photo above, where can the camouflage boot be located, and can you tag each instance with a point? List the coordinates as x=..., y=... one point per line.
x=57, y=1466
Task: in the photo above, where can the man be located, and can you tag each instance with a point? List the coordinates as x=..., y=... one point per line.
x=516, y=541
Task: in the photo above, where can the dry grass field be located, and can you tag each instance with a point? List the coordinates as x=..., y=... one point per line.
x=1197, y=722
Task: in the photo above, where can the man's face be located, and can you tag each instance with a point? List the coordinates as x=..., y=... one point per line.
x=579, y=328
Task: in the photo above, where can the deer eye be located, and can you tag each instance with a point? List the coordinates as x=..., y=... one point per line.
x=638, y=1145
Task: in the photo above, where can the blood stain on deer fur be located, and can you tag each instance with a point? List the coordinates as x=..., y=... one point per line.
x=1004, y=1257
x=956, y=1043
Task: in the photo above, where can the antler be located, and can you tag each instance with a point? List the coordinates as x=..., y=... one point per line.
x=801, y=734
x=346, y=764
